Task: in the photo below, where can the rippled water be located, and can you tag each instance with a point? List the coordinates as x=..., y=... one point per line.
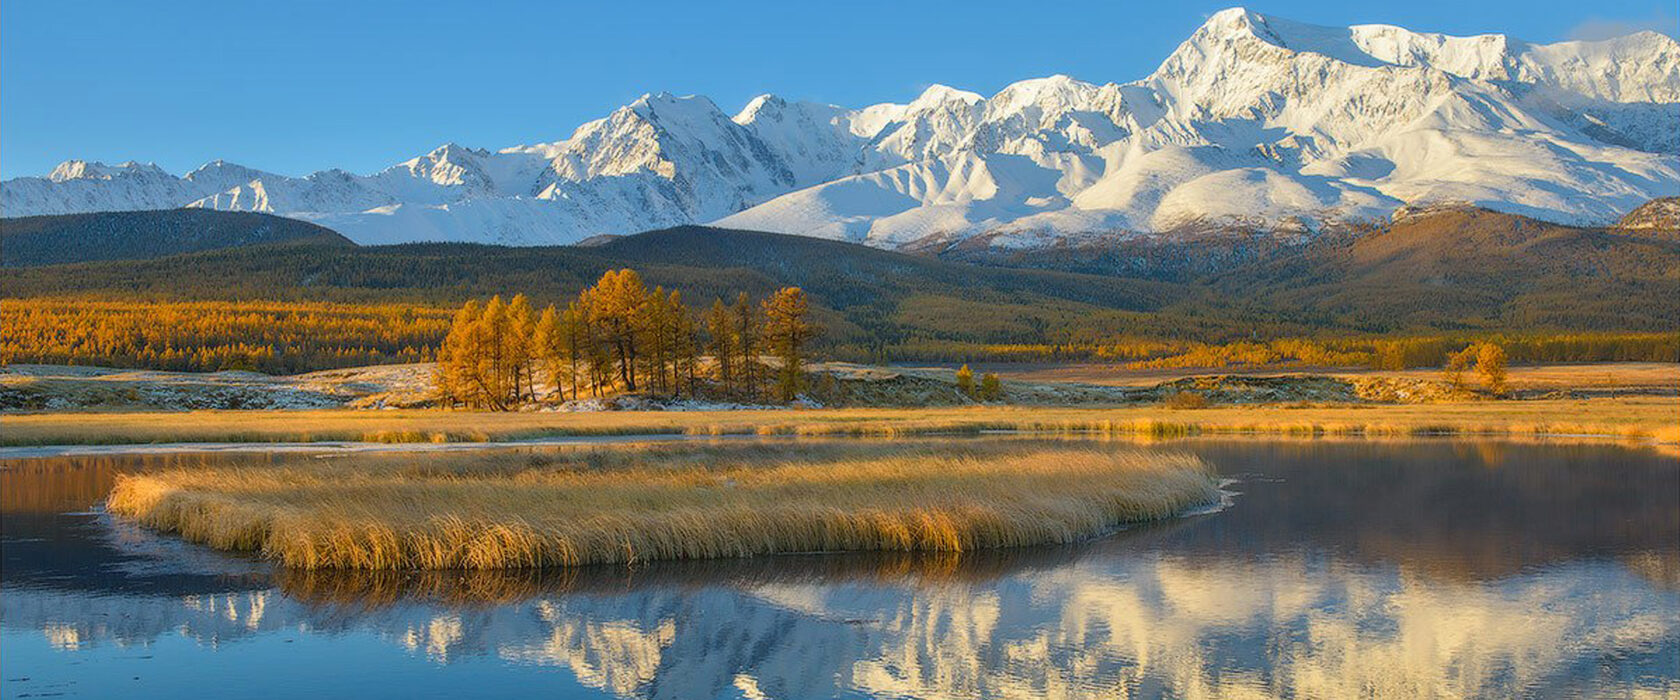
x=1343, y=569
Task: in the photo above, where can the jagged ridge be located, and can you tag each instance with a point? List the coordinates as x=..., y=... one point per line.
x=1254, y=122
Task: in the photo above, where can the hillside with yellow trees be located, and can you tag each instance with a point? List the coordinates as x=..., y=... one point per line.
x=621, y=336
x=1393, y=299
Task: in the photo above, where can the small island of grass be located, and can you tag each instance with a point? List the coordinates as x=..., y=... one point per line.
x=630, y=504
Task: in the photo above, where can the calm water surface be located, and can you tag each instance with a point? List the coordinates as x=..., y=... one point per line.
x=1342, y=569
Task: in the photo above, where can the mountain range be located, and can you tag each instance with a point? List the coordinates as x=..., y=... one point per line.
x=1253, y=124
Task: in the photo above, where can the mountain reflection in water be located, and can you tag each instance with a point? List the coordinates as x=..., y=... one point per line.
x=1344, y=569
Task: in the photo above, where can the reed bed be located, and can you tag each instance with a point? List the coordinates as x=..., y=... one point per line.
x=505, y=509
x=1639, y=418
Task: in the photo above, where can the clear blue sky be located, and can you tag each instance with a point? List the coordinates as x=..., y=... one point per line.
x=301, y=85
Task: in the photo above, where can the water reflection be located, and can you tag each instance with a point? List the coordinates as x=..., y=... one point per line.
x=1346, y=569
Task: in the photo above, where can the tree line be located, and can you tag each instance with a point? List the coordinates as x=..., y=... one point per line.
x=267, y=336
x=1389, y=352
x=284, y=337
x=620, y=336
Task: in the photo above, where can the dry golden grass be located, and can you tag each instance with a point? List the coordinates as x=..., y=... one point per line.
x=1594, y=375
x=506, y=509
x=1630, y=417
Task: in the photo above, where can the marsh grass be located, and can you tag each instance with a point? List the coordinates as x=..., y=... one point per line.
x=509, y=509
x=1642, y=418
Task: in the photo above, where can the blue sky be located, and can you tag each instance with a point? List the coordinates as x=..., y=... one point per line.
x=297, y=86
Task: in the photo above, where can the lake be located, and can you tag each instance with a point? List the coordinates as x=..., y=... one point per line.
x=1339, y=569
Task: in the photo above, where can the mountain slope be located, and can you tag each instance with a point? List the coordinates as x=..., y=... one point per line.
x=1458, y=267
x=863, y=295
x=1656, y=217
x=1445, y=269
x=1253, y=123
x=131, y=235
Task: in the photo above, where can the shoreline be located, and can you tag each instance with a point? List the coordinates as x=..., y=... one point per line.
x=1645, y=418
x=325, y=449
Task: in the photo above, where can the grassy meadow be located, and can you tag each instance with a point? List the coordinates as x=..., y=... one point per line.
x=626, y=504
x=1642, y=417
x=1540, y=377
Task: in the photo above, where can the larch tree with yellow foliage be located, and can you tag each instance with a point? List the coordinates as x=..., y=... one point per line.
x=787, y=328
x=617, y=335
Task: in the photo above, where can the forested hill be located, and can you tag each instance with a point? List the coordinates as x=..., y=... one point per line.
x=861, y=294
x=1450, y=270
x=1466, y=267
x=134, y=235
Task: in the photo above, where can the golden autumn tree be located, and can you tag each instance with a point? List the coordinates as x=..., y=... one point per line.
x=965, y=381
x=676, y=329
x=551, y=350
x=655, y=324
x=787, y=328
x=619, y=301
x=481, y=363
x=746, y=327
x=1457, y=364
x=518, y=346
x=574, y=324
x=615, y=333
x=687, y=347
x=493, y=363
x=721, y=336
x=1490, y=364
x=455, y=363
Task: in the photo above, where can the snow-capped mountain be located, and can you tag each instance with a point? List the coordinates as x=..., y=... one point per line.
x=1253, y=122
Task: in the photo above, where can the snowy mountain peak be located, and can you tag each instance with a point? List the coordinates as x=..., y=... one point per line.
x=454, y=151
x=1244, y=32
x=84, y=170
x=664, y=105
x=757, y=105
x=1241, y=24
x=222, y=169
x=941, y=97
x=1056, y=93
x=1254, y=122
x=1230, y=22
